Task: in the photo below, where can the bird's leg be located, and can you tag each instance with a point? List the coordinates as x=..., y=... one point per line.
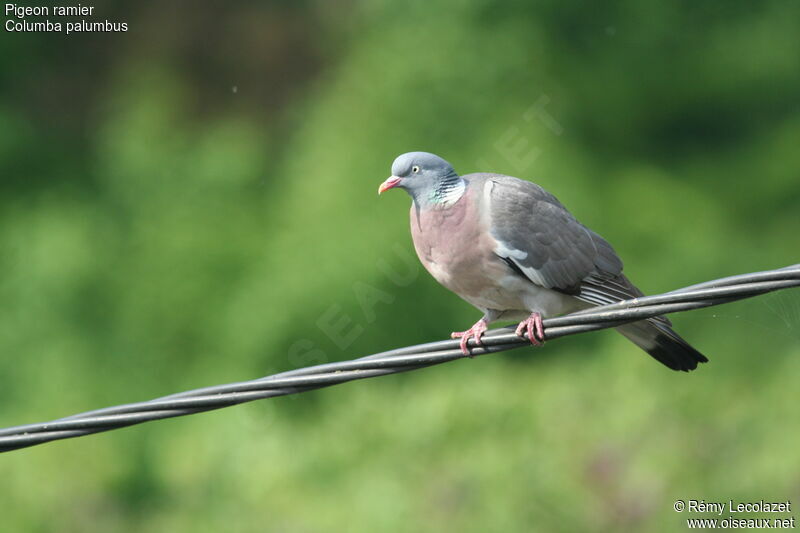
x=535, y=329
x=476, y=331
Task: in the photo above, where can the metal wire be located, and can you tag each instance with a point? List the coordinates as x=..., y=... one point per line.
x=398, y=360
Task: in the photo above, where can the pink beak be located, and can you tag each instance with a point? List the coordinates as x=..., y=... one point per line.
x=391, y=182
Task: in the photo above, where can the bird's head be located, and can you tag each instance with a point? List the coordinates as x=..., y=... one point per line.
x=421, y=174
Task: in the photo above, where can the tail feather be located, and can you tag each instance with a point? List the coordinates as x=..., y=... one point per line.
x=666, y=346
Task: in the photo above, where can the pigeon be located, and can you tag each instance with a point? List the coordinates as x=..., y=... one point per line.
x=511, y=249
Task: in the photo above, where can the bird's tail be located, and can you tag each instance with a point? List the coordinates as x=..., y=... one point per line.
x=666, y=346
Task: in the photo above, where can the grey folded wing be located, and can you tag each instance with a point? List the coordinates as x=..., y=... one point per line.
x=541, y=241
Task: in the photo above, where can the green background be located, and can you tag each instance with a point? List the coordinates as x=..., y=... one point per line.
x=186, y=203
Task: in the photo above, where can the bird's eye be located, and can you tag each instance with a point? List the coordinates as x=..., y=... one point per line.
x=415, y=169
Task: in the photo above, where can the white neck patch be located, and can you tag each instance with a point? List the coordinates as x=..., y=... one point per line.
x=453, y=193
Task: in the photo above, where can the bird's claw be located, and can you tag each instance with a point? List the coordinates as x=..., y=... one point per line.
x=535, y=328
x=475, y=332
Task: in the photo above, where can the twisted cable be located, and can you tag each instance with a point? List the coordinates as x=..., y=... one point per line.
x=706, y=294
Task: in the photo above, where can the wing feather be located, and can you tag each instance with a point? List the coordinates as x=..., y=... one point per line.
x=543, y=242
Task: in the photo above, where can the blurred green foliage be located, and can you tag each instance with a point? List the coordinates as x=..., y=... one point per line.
x=185, y=204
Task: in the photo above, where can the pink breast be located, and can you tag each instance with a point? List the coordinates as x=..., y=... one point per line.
x=449, y=241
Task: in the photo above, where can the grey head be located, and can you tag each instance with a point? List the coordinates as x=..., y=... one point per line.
x=428, y=178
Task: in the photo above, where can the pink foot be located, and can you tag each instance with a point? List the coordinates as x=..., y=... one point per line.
x=476, y=331
x=535, y=329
